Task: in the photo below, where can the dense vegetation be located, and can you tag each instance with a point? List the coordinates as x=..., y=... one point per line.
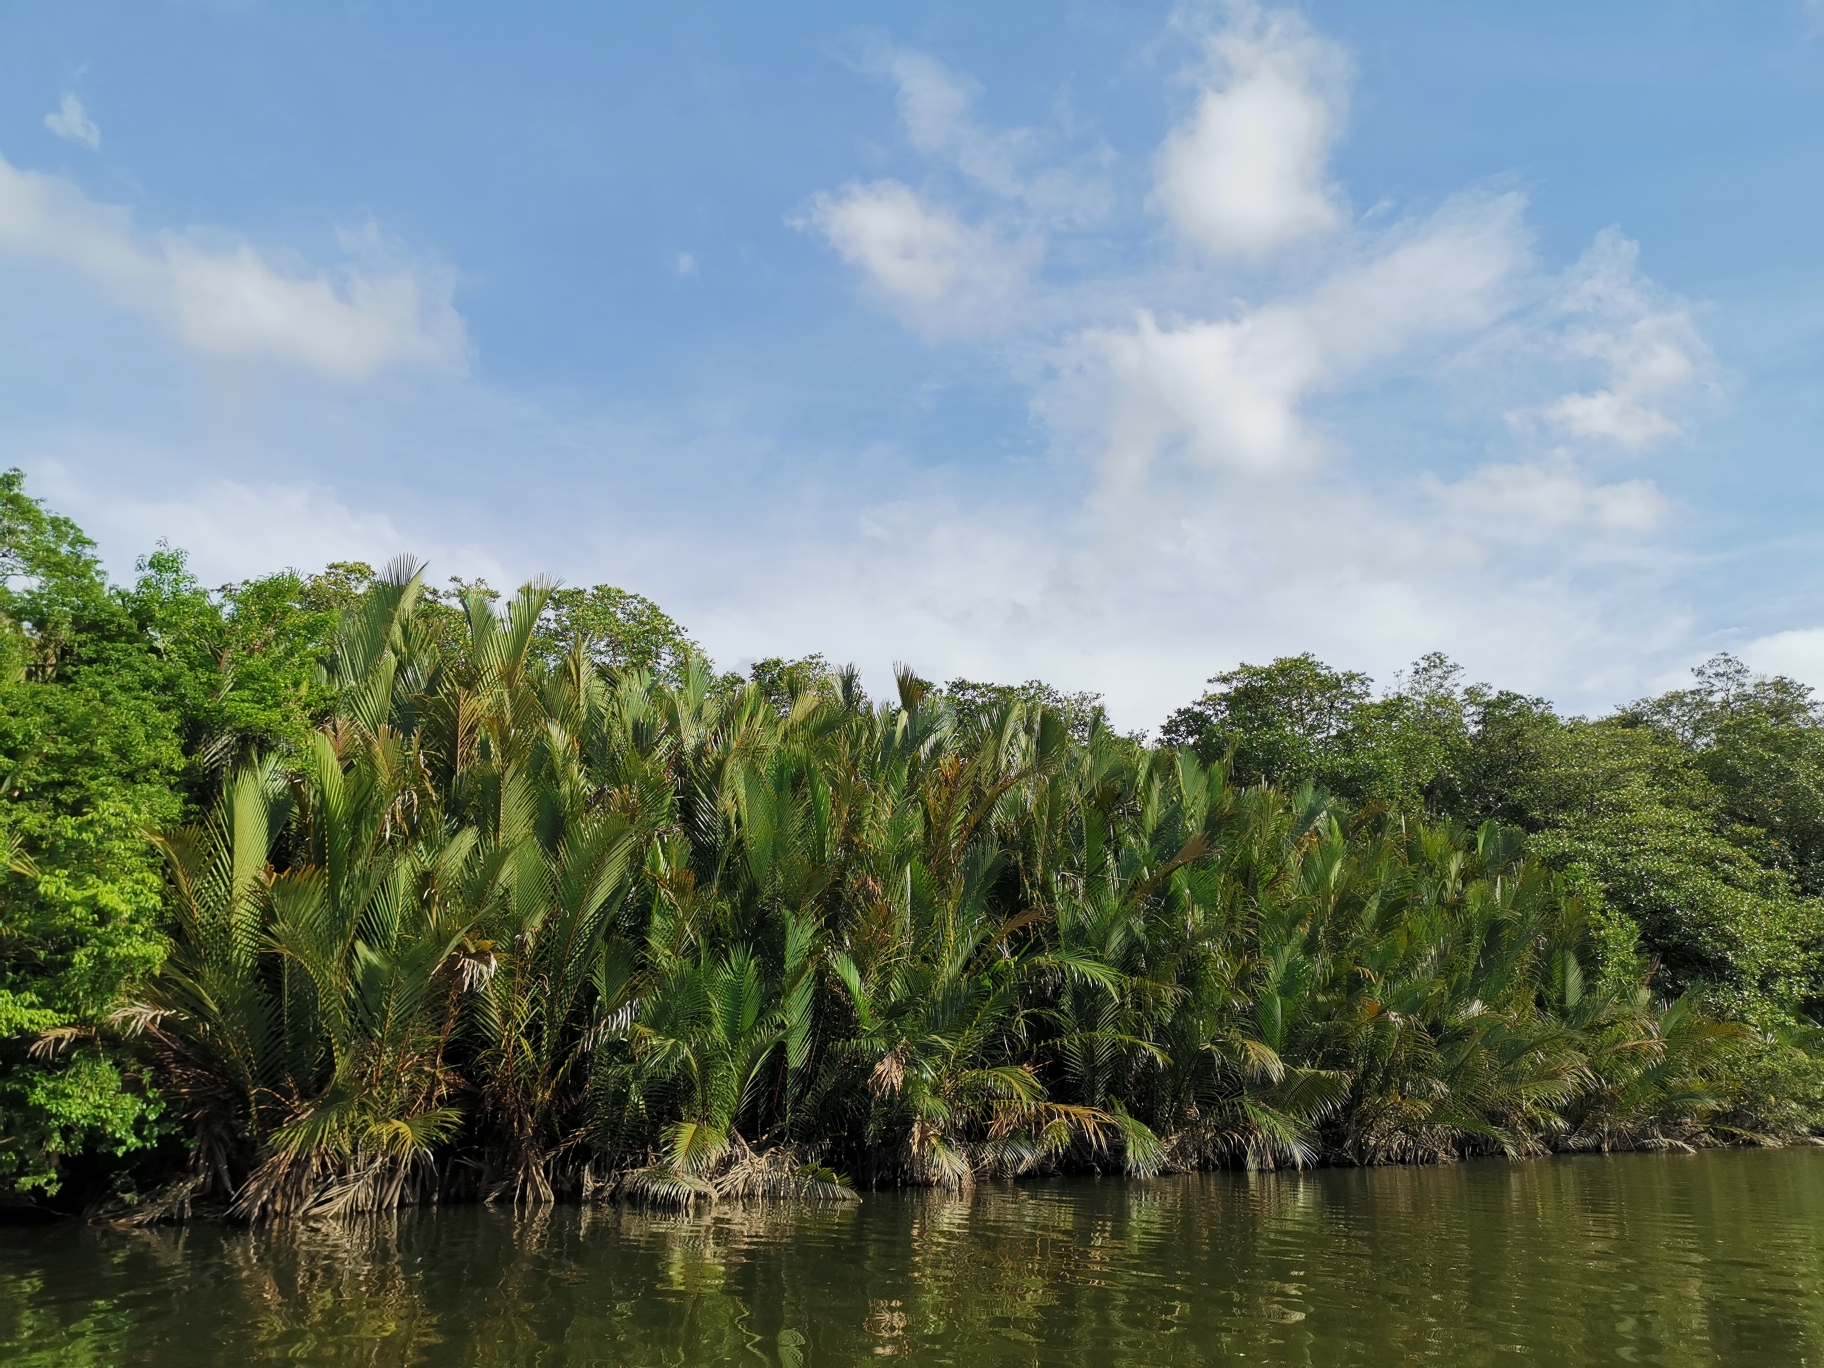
x=332, y=892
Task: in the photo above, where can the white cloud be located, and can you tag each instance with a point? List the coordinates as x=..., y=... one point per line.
x=687, y=264
x=934, y=106
x=229, y=301
x=232, y=303
x=943, y=276
x=1246, y=172
x=234, y=529
x=1207, y=496
x=1228, y=512
x=1228, y=393
x=936, y=109
x=1525, y=502
x=1651, y=352
x=1798, y=654
x=1007, y=589
x=70, y=121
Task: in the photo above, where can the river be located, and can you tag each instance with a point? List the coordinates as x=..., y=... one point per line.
x=1711, y=1258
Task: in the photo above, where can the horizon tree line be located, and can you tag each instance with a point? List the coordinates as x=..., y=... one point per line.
x=335, y=892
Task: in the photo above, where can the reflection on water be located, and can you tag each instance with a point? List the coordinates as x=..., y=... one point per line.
x=1676, y=1259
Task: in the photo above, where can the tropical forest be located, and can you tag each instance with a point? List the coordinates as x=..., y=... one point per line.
x=349, y=890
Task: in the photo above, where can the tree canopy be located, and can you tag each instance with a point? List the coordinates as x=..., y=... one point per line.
x=326, y=891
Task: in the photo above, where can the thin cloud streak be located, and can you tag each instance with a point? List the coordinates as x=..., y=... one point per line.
x=228, y=301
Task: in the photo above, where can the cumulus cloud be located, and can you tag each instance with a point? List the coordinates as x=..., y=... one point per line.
x=1246, y=172
x=70, y=121
x=229, y=300
x=951, y=270
x=943, y=276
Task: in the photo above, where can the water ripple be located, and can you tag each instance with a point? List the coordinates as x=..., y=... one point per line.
x=1673, y=1260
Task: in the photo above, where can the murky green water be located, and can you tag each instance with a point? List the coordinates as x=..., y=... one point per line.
x=1687, y=1259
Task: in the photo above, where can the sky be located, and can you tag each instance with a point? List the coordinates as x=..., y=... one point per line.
x=1109, y=345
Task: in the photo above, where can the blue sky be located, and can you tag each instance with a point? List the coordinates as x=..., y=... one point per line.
x=1112, y=346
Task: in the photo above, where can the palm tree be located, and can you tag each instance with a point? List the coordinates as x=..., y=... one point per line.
x=517, y=925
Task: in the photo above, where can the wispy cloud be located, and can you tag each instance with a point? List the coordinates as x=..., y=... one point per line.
x=934, y=106
x=1228, y=394
x=229, y=301
x=1798, y=653
x=1039, y=175
x=1226, y=365
x=1228, y=511
x=69, y=120
x=1652, y=355
x=268, y=524
x=1534, y=501
x=943, y=276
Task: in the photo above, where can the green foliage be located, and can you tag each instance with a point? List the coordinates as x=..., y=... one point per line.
x=1298, y=721
x=976, y=701
x=1691, y=825
x=1633, y=816
x=373, y=893
x=90, y=759
x=1760, y=742
x=241, y=667
x=87, y=1103
x=517, y=927
x=1291, y=721
x=121, y=708
x=618, y=630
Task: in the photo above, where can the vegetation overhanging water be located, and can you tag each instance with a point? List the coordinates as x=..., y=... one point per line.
x=523, y=901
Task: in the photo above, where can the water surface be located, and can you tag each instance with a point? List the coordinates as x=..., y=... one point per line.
x=1713, y=1258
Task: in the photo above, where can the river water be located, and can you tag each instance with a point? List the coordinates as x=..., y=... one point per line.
x=1713, y=1258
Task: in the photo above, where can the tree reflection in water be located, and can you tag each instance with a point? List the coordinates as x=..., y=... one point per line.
x=1674, y=1260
